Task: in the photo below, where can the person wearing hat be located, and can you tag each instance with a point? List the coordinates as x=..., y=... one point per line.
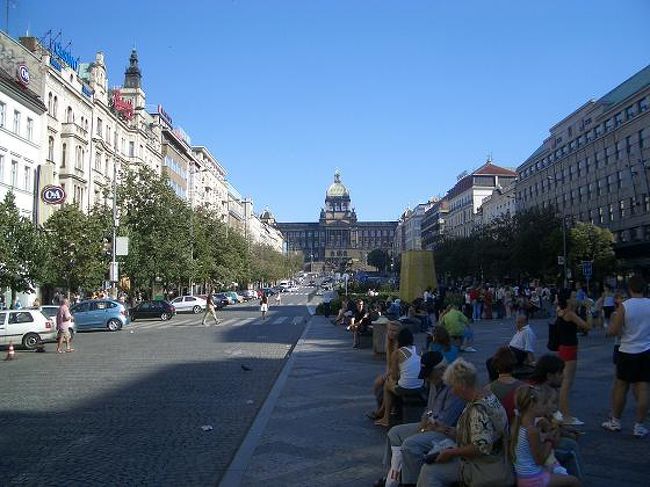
x=406, y=444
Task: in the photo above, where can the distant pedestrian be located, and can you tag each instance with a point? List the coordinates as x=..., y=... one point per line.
x=63, y=322
x=210, y=310
x=278, y=299
x=264, y=305
x=632, y=322
x=17, y=304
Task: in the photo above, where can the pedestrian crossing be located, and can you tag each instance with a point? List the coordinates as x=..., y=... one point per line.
x=195, y=322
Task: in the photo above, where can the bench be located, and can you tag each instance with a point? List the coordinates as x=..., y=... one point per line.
x=410, y=406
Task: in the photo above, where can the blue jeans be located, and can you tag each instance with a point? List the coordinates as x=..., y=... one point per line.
x=477, y=310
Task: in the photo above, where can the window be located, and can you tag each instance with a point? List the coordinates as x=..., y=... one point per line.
x=601, y=216
x=618, y=119
x=27, y=178
x=643, y=104
x=3, y=111
x=98, y=161
x=598, y=130
x=2, y=168
x=608, y=153
x=69, y=117
x=610, y=211
x=610, y=183
x=55, y=106
x=619, y=150
x=100, y=127
x=630, y=111
x=20, y=317
x=609, y=124
x=643, y=136
x=64, y=149
x=49, y=103
x=628, y=144
x=14, y=173
x=16, y=122
x=30, y=129
x=621, y=209
x=50, y=148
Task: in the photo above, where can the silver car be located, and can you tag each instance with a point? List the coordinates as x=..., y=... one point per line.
x=26, y=327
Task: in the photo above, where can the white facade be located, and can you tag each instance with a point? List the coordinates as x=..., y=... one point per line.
x=21, y=126
x=500, y=203
x=466, y=197
x=208, y=186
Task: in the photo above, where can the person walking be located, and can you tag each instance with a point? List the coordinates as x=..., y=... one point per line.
x=63, y=322
x=264, y=305
x=210, y=310
x=632, y=322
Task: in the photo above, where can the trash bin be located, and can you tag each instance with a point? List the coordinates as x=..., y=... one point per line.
x=379, y=329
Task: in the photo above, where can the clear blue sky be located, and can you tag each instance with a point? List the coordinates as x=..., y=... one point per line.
x=400, y=95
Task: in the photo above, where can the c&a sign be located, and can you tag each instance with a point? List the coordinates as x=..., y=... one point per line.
x=53, y=195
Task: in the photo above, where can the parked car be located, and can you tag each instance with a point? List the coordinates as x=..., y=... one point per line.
x=236, y=298
x=100, y=313
x=221, y=300
x=249, y=294
x=191, y=304
x=49, y=310
x=26, y=327
x=152, y=309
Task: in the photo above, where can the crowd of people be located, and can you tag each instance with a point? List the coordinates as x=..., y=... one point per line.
x=518, y=429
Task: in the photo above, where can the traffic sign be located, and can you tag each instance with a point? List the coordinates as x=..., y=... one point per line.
x=587, y=269
x=560, y=260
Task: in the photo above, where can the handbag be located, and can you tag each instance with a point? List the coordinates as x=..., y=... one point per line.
x=553, y=343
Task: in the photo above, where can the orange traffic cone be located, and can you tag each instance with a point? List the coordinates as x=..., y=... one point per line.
x=11, y=354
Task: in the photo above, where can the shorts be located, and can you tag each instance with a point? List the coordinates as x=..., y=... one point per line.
x=633, y=367
x=264, y=307
x=65, y=334
x=615, y=354
x=568, y=353
x=542, y=479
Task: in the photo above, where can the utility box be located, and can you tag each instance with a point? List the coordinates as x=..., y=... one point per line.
x=417, y=274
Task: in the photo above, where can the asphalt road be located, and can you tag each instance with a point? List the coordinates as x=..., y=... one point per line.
x=127, y=408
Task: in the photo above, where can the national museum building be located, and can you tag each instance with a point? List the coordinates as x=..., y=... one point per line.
x=338, y=238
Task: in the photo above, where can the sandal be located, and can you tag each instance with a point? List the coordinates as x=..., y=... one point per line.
x=382, y=424
x=60, y=351
x=372, y=415
x=69, y=350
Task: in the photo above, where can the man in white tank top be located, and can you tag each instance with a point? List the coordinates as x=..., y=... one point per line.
x=631, y=322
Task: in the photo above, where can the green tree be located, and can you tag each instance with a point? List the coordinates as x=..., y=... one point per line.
x=22, y=254
x=378, y=258
x=592, y=243
x=160, y=228
x=75, y=246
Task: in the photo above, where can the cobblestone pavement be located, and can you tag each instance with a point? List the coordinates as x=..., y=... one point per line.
x=126, y=408
x=317, y=434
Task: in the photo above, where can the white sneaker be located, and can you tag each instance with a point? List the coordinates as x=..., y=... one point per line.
x=469, y=349
x=640, y=431
x=573, y=421
x=612, y=424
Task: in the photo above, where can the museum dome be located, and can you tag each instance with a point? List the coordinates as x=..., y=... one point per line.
x=337, y=189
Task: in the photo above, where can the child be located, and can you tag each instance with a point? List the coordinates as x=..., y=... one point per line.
x=530, y=448
x=550, y=428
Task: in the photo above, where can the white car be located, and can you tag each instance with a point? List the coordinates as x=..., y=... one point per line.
x=26, y=327
x=189, y=304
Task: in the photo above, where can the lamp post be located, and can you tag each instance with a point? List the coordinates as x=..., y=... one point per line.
x=564, y=254
x=113, y=273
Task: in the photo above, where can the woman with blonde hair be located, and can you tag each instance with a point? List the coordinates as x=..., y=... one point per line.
x=481, y=435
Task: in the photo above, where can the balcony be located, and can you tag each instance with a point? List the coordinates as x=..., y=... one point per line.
x=71, y=129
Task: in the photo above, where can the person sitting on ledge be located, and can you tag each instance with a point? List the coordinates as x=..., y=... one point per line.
x=403, y=377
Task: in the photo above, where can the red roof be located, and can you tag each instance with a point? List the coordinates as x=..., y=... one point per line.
x=489, y=169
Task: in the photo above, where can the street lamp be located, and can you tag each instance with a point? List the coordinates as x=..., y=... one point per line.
x=564, y=255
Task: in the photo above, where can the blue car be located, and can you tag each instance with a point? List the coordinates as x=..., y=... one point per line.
x=100, y=314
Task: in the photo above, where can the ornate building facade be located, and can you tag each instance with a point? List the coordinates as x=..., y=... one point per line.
x=338, y=238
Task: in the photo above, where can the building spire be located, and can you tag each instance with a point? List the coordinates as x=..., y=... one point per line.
x=133, y=75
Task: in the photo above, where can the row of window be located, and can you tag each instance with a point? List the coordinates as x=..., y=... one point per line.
x=178, y=189
x=359, y=233
x=611, y=212
x=15, y=176
x=17, y=127
x=79, y=154
x=175, y=167
x=590, y=135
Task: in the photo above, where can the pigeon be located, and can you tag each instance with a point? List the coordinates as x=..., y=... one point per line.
x=246, y=368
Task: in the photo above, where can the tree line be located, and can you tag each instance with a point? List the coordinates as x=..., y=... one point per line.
x=526, y=245
x=170, y=244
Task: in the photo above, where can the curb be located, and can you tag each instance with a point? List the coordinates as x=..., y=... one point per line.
x=239, y=464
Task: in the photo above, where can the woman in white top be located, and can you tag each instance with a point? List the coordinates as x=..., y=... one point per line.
x=403, y=374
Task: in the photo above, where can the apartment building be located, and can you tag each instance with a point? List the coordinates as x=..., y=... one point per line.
x=594, y=166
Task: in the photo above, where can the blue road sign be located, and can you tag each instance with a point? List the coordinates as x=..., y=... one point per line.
x=587, y=269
